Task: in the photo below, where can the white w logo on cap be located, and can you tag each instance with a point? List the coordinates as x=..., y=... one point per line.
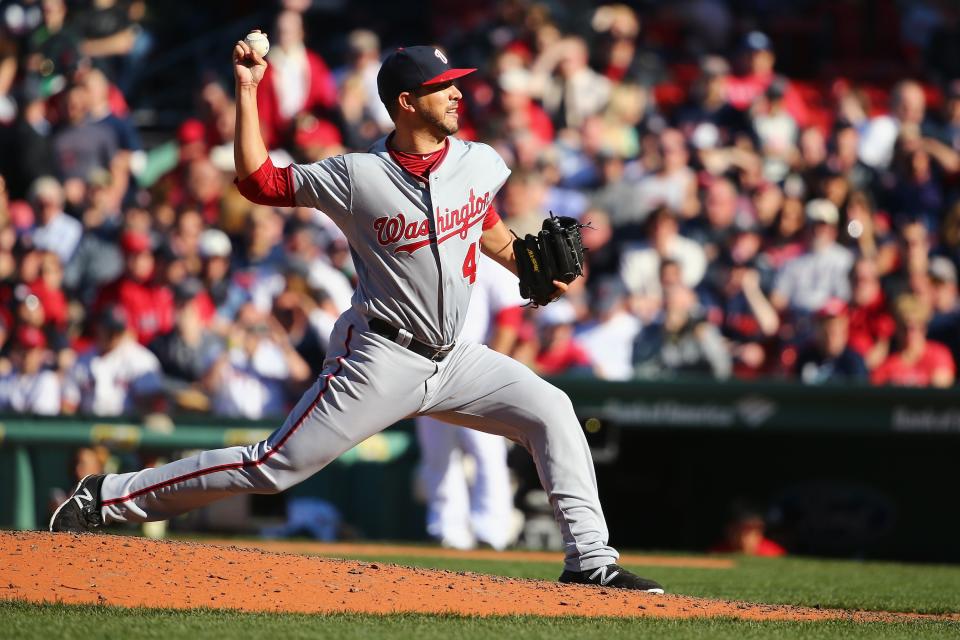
x=440, y=55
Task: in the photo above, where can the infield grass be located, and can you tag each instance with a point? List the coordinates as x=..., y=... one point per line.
x=42, y=622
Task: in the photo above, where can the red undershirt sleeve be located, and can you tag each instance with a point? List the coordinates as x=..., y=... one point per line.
x=269, y=185
x=491, y=218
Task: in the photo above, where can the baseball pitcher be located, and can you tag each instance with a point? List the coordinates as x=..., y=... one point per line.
x=416, y=210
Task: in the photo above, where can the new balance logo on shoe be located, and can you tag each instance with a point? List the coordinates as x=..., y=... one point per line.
x=604, y=578
x=79, y=498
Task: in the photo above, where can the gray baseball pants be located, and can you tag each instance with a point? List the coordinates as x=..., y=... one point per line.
x=369, y=383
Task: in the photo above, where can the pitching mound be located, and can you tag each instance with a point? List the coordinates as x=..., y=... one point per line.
x=339, y=549
x=133, y=572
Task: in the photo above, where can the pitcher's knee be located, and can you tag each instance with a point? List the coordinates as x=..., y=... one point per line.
x=555, y=405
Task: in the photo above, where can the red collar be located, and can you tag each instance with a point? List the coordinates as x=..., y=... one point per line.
x=418, y=165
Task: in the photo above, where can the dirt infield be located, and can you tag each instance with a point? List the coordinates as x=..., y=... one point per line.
x=346, y=549
x=131, y=572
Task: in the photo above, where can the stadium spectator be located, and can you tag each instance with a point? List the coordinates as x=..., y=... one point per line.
x=113, y=36
x=785, y=240
x=129, y=156
x=871, y=326
x=364, y=65
x=523, y=200
x=674, y=184
x=609, y=341
x=615, y=195
x=51, y=47
x=829, y=358
x=296, y=83
x=98, y=259
x=250, y=380
x=720, y=207
x=147, y=302
x=118, y=376
x=262, y=264
x=746, y=533
x=757, y=61
x=570, y=90
x=559, y=352
x=304, y=253
x=908, y=106
x=680, y=343
x=55, y=231
x=32, y=386
x=189, y=349
x=805, y=284
x=775, y=128
x=641, y=262
x=869, y=233
x=744, y=314
x=81, y=146
x=919, y=362
x=709, y=104
x=48, y=287
x=31, y=135
x=945, y=324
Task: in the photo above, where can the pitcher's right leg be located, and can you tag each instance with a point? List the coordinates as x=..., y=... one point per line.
x=359, y=393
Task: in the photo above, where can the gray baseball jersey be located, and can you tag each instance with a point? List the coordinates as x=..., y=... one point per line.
x=415, y=246
x=414, y=242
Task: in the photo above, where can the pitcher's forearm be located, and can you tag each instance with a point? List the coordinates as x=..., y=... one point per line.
x=249, y=151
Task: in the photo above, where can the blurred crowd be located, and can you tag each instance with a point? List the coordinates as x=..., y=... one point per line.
x=745, y=221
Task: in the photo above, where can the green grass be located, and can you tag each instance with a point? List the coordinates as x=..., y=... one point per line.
x=874, y=586
x=42, y=622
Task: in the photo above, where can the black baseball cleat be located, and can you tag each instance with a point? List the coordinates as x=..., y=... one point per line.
x=611, y=575
x=80, y=513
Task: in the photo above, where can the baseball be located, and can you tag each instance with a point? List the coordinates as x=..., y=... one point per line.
x=257, y=40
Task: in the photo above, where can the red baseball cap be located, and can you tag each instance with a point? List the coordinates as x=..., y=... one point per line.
x=135, y=242
x=410, y=67
x=190, y=131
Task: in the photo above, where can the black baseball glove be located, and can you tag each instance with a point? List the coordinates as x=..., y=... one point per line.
x=556, y=253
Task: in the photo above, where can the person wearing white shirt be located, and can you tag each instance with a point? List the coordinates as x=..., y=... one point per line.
x=908, y=106
x=120, y=377
x=609, y=342
x=459, y=514
x=56, y=232
x=31, y=387
x=250, y=380
x=640, y=262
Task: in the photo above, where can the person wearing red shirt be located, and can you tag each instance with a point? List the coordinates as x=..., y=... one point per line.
x=520, y=112
x=148, y=305
x=48, y=287
x=746, y=534
x=920, y=362
x=871, y=325
x=559, y=352
x=296, y=82
x=742, y=90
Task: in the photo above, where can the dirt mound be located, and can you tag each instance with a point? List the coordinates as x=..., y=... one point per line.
x=131, y=572
x=341, y=549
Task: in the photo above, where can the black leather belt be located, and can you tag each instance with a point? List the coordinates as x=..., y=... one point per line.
x=390, y=332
